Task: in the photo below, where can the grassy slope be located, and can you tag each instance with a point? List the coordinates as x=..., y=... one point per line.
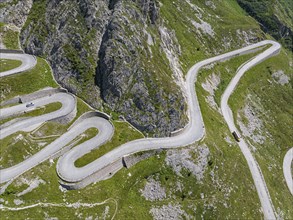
x=9, y=37
x=6, y=65
x=125, y=189
x=31, y=81
x=275, y=17
x=195, y=47
x=279, y=106
x=275, y=100
x=27, y=82
x=273, y=105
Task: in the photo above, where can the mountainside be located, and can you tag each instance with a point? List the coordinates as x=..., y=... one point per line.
x=129, y=58
x=275, y=18
x=133, y=54
x=98, y=49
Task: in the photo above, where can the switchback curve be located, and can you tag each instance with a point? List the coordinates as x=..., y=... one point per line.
x=193, y=132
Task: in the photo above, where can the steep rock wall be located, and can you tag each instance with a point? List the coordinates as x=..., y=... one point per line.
x=99, y=49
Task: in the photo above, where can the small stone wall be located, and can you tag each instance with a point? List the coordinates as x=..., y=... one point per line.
x=89, y=115
x=132, y=159
x=32, y=96
x=102, y=174
x=178, y=132
x=108, y=171
x=67, y=118
x=11, y=51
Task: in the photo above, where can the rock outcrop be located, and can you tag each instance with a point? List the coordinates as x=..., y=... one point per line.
x=68, y=34
x=102, y=49
x=130, y=57
x=15, y=12
x=128, y=84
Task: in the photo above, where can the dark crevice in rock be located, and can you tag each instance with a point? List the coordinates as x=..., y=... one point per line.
x=149, y=9
x=100, y=69
x=112, y=4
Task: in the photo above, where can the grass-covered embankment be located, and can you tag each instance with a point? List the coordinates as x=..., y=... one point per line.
x=225, y=193
x=272, y=104
x=6, y=65
x=27, y=82
x=10, y=37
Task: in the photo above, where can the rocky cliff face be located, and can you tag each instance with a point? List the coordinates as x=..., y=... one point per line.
x=133, y=54
x=101, y=49
x=15, y=11
x=128, y=83
x=275, y=18
x=68, y=34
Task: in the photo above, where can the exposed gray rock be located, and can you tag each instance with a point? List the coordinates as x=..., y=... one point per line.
x=153, y=191
x=168, y=212
x=180, y=159
x=254, y=126
x=280, y=77
x=18, y=201
x=68, y=34
x=247, y=36
x=172, y=50
x=127, y=83
x=210, y=4
x=126, y=54
x=204, y=27
x=15, y=12
x=211, y=85
x=32, y=185
x=101, y=49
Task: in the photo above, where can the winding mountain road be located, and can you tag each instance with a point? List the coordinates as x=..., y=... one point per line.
x=27, y=62
x=68, y=105
x=194, y=131
x=257, y=176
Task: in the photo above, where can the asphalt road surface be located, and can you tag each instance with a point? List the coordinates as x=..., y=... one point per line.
x=68, y=105
x=194, y=131
x=287, y=169
x=105, y=133
x=28, y=62
x=257, y=176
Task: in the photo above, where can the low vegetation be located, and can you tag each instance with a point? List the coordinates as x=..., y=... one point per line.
x=30, y=81
x=272, y=103
x=37, y=14
x=259, y=90
x=123, y=134
x=10, y=37
x=225, y=20
x=125, y=186
x=275, y=18
x=227, y=188
x=6, y=65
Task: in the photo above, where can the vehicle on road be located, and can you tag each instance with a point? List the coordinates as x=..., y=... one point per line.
x=236, y=136
x=30, y=104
